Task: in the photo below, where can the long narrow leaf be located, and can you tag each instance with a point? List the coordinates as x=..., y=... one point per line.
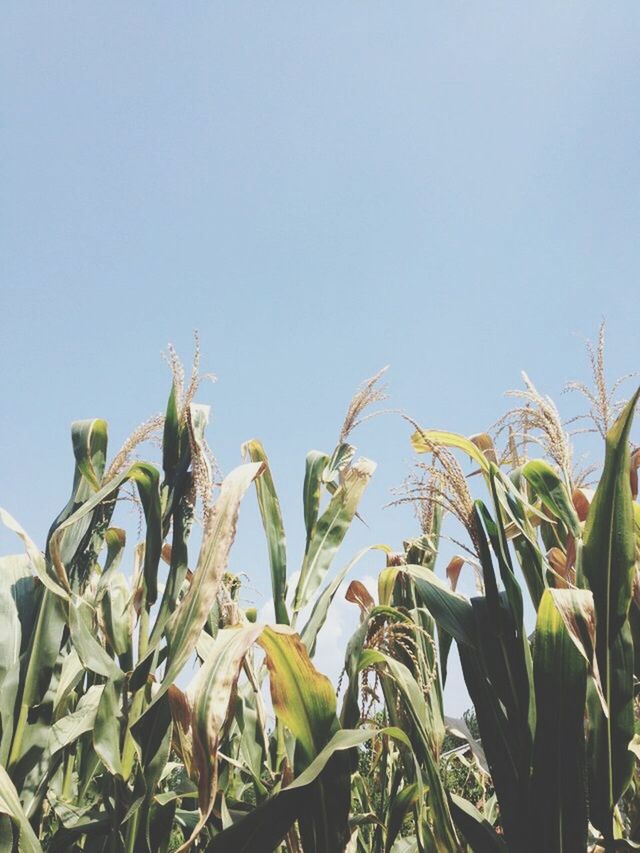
x=10, y=805
x=558, y=785
x=274, y=529
x=608, y=562
x=330, y=529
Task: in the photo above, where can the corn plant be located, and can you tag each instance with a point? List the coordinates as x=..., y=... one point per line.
x=533, y=696
x=110, y=742
x=101, y=748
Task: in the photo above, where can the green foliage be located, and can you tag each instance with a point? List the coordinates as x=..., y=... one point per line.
x=109, y=742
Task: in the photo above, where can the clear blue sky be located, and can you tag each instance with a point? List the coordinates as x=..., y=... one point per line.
x=319, y=189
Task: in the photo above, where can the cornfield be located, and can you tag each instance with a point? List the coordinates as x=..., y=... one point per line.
x=109, y=742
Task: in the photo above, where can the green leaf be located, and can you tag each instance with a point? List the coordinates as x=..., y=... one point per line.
x=265, y=827
x=330, y=529
x=316, y=464
x=274, y=529
x=341, y=457
x=71, y=672
x=10, y=805
x=185, y=625
x=552, y=491
x=350, y=712
x=399, y=807
x=80, y=540
x=476, y=830
x=106, y=732
x=409, y=844
x=188, y=620
x=171, y=438
x=303, y=699
x=428, y=734
x=210, y=695
x=90, y=651
x=115, y=539
x=561, y=663
x=608, y=562
x=51, y=582
x=71, y=726
x=152, y=734
x=17, y=593
x=117, y=615
x=146, y=478
x=41, y=657
x=451, y=610
x=309, y=633
x=89, y=441
x=423, y=441
x=497, y=678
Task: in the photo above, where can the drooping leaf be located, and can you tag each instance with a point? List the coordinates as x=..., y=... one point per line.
x=16, y=590
x=115, y=539
x=52, y=583
x=186, y=623
x=303, y=698
x=423, y=441
x=475, y=829
x=450, y=609
x=553, y=493
x=92, y=654
x=11, y=806
x=71, y=726
x=210, y=696
x=265, y=827
x=146, y=478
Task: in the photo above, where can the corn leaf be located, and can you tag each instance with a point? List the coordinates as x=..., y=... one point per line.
x=93, y=655
x=561, y=663
x=303, y=699
x=209, y=696
x=315, y=467
x=146, y=478
x=330, y=529
x=70, y=727
x=552, y=491
x=423, y=441
x=106, y=732
x=16, y=582
x=274, y=529
x=475, y=829
x=267, y=825
x=400, y=807
x=451, y=610
x=428, y=733
x=318, y=617
x=188, y=620
x=608, y=563
x=11, y=806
